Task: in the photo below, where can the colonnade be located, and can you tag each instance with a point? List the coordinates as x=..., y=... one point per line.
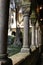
x=4, y=10
x=35, y=35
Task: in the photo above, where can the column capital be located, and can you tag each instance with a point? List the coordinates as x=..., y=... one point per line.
x=26, y=8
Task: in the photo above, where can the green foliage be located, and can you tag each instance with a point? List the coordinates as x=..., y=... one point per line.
x=11, y=39
x=11, y=50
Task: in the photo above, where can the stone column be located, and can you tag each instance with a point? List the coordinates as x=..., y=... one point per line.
x=25, y=47
x=39, y=39
x=4, y=12
x=39, y=36
x=33, y=39
x=36, y=37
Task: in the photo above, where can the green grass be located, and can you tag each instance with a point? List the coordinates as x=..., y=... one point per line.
x=11, y=50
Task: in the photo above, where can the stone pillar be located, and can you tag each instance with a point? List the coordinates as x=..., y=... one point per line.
x=25, y=47
x=33, y=39
x=39, y=39
x=36, y=37
x=32, y=35
x=4, y=12
x=39, y=36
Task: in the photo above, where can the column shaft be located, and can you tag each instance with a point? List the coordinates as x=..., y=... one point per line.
x=39, y=37
x=4, y=9
x=4, y=12
x=36, y=37
x=26, y=34
x=33, y=39
x=32, y=35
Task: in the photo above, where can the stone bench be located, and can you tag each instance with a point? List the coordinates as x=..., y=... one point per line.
x=25, y=58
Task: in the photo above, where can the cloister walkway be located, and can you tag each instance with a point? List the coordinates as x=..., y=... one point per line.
x=40, y=60
x=30, y=52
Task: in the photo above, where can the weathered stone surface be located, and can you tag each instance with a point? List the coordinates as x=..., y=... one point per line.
x=4, y=14
x=25, y=47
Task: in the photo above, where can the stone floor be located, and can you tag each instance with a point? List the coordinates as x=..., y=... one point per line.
x=40, y=60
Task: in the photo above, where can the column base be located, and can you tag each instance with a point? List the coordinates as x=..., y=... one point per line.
x=25, y=50
x=37, y=46
x=32, y=47
x=5, y=61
